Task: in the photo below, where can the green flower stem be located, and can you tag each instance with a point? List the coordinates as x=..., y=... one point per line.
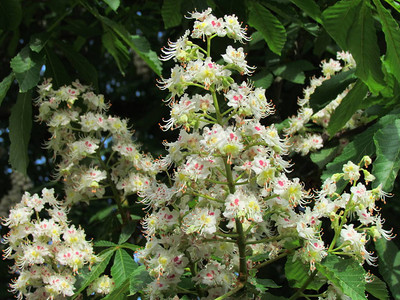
x=266, y=240
x=299, y=292
x=231, y=292
x=193, y=270
x=232, y=235
x=208, y=197
x=220, y=240
x=216, y=105
x=342, y=222
x=241, y=238
x=116, y=195
x=265, y=263
x=217, y=182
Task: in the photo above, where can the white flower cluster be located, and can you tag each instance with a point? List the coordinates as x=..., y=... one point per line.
x=80, y=129
x=359, y=205
x=47, y=250
x=19, y=184
x=230, y=197
x=227, y=164
x=301, y=139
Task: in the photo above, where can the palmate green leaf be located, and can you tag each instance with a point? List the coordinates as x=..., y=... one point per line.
x=349, y=105
x=351, y=25
x=26, y=66
x=95, y=271
x=117, y=49
x=377, y=288
x=5, y=85
x=20, y=132
x=171, y=13
x=389, y=265
x=338, y=20
x=297, y=273
x=113, y=4
x=387, y=163
x=329, y=89
x=346, y=274
x=10, y=14
x=363, y=45
x=310, y=8
x=270, y=27
x=139, y=44
x=391, y=30
x=123, y=266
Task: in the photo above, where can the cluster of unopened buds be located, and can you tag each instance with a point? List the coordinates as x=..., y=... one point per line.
x=47, y=250
x=303, y=140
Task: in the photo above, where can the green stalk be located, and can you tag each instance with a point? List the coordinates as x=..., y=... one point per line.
x=231, y=292
x=304, y=286
x=265, y=263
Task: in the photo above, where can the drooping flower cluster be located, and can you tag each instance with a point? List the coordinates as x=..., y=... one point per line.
x=302, y=140
x=47, y=250
x=80, y=130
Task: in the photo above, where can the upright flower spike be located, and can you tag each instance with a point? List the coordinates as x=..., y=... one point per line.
x=302, y=139
x=81, y=130
x=230, y=199
x=216, y=158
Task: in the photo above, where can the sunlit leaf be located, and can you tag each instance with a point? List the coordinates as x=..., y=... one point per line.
x=297, y=273
x=387, y=163
x=113, y=4
x=338, y=20
x=377, y=288
x=123, y=266
x=27, y=66
x=391, y=30
x=271, y=28
x=346, y=274
x=95, y=271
